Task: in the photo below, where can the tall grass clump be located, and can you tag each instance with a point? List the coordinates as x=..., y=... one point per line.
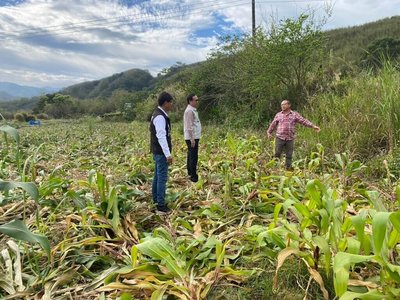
x=363, y=122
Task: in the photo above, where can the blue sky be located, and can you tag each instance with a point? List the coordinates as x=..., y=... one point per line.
x=58, y=42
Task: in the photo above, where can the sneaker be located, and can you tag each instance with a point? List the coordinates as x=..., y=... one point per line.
x=194, y=178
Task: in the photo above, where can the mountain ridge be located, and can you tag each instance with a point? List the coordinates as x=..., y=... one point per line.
x=11, y=91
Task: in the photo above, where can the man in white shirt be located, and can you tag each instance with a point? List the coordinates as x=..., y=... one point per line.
x=192, y=134
x=161, y=147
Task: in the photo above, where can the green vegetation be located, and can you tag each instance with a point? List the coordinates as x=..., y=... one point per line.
x=291, y=59
x=76, y=215
x=132, y=80
x=349, y=45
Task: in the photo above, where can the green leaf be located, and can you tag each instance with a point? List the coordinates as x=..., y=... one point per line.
x=134, y=256
x=373, y=196
x=159, y=249
x=28, y=187
x=372, y=295
x=395, y=219
x=301, y=208
x=359, y=224
x=159, y=293
x=277, y=210
x=341, y=265
x=11, y=131
x=353, y=245
x=126, y=296
x=379, y=226
x=324, y=246
x=18, y=230
x=314, y=190
x=398, y=194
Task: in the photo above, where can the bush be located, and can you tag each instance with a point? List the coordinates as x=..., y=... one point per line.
x=43, y=116
x=30, y=118
x=8, y=115
x=19, y=117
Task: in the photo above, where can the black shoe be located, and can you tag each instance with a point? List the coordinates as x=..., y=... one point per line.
x=194, y=178
x=163, y=210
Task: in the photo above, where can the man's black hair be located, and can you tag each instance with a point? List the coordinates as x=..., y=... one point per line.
x=190, y=97
x=164, y=97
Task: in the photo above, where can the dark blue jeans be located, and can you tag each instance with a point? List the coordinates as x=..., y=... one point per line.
x=160, y=179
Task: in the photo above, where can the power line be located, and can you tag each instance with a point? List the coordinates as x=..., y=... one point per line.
x=102, y=19
x=156, y=17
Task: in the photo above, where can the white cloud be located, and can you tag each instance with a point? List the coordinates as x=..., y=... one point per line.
x=50, y=42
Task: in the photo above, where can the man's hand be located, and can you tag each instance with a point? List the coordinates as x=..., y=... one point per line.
x=169, y=160
x=317, y=129
x=193, y=143
x=269, y=135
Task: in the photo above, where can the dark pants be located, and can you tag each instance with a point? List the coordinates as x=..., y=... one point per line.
x=159, y=180
x=288, y=146
x=192, y=158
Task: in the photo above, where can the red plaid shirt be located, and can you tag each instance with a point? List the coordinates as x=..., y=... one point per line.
x=286, y=124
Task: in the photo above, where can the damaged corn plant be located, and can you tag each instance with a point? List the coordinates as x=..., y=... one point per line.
x=77, y=220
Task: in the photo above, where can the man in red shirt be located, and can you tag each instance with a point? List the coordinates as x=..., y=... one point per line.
x=284, y=123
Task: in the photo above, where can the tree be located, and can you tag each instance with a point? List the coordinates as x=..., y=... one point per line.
x=297, y=49
x=379, y=51
x=247, y=74
x=61, y=106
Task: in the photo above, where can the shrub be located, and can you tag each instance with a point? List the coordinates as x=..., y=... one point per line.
x=43, y=116
x=19, y=117
x=8, y=115
x=30, y=118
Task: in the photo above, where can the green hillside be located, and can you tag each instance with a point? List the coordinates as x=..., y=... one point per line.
x=237, y=76
x=349, y=44
x=131, y=80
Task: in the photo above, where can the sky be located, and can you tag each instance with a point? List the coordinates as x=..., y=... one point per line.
x=57, y=43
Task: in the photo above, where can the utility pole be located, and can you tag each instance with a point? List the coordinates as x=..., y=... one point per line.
x=253, y=10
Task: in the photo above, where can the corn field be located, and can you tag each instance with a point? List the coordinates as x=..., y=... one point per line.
x=77, y=219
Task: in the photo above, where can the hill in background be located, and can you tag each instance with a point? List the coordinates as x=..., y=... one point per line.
x=11, y=91
x=131, y=80
x=349, y=44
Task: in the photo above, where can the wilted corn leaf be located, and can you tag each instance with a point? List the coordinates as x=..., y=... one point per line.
x=6, y=280
x=317, y=277
x=282, y=256
x=17, y=266
x=197, y=229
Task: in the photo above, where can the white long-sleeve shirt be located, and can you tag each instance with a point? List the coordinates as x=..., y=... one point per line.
x=191, y=124
x=161, y=134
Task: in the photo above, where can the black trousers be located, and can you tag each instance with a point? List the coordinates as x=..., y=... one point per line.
x=192, y=158
x=288, y=146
